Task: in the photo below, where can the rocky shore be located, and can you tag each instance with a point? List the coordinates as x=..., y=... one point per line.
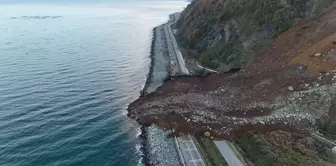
x=156, y=148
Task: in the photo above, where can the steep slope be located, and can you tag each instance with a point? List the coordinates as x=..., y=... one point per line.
x=275, y=90
x=228, y=33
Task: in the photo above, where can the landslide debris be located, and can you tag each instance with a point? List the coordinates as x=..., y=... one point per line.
x=278, y=89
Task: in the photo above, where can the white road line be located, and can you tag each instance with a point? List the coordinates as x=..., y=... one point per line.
x=192, y=142
x=190, y=149
x=189, y=146
x=192, y=158
x=179, y=151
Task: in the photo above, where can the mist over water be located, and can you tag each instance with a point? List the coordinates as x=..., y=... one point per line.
x=67, y=74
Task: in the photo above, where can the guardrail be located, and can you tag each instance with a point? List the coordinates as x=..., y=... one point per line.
x=323, y=139
x=206, y=68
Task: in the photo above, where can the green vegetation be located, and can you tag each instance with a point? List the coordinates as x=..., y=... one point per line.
x=327, y=126
x=259, y=151
x=324, y=152
x=218, y=30
x=223, y=55
x=210, y=152
x=256, y=150
x=203, y=73
x=334, y=42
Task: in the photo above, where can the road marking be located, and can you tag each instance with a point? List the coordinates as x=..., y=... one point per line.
x=190, y=147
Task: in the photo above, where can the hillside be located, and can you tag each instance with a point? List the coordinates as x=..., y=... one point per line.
x=288, y=83
x=228, y=33
x=284, y=91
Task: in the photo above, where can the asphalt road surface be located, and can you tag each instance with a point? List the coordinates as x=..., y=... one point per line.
x=189, y=152
x=228, y=153
x=171, y=51
x=186, y=147
x=174, y=51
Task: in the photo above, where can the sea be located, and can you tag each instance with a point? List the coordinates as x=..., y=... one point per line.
x=68, y=71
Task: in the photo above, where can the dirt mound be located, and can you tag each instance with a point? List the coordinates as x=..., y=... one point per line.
x=320, y=58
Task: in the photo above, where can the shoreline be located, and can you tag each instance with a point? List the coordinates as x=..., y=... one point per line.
x=151, y=63
x=158, y=74
x=144, y=132
x=166, y=62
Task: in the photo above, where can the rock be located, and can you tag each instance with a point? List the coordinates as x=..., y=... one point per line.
x=318, y=54
x=290, y=88
x=333, y=150
x=207, y=134
x=306, y=85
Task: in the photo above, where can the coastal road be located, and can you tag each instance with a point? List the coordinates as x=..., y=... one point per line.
x=186, y=147
x=171, y=52
x=228, y=153
x=174, y=51
x=189, y=152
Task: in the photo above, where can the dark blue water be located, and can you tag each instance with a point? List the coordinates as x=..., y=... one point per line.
x=67, y=74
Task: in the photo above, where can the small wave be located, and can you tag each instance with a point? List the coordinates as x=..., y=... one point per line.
x=36, y=17
x=139, y=132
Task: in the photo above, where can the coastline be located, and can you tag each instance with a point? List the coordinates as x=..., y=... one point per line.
x=151, y=63
x=156, y=149
x=144, y=132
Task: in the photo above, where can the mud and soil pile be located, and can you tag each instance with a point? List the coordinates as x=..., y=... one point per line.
x=289, y=85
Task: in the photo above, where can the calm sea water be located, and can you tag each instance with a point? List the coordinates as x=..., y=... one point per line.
x=67, y=74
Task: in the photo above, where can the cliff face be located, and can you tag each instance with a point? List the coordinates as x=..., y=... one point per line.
x=228, y=33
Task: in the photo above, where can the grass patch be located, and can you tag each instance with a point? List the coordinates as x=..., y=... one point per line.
x=256, y=150
x=210, y=152
x=324, y=152
x=223, y=57
x=201, y=27
x=327, y=126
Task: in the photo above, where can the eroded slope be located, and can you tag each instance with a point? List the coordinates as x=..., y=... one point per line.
x=275, y=90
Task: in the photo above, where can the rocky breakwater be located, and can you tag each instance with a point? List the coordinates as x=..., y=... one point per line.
x=286, y=86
